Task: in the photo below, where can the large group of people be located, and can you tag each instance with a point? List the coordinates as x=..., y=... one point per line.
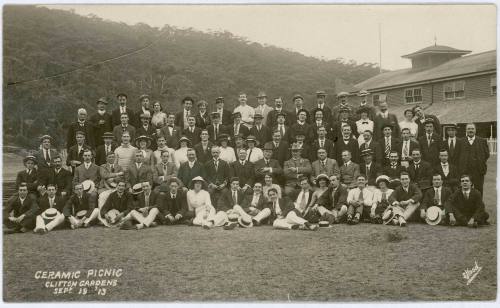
x=299, y=169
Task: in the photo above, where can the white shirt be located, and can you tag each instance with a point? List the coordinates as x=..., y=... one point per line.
x=446, y=168
x=247, y=113
x=123, y=109
x=87, y=165
x=471, y=140
x=227, y=154
x=438, y=189
x=277, y=208
x=255, y=200
x=298, y=205
x=52, y=201
x=354, y=194
x=377, y=196
x=191, y=163
x=254, y=155
x=454, y=141
x=405, y=147
x=200, y=201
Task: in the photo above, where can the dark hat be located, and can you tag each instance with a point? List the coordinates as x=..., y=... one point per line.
x=320, y=93
x=387, y=125
x=366, y=152
x=344, y=109
x=164, y=188
x=251, y=138
x=261, y=94
x=102, y=100
x=143, y=137
x=258, y=116
x=108, y=135
x=268, y=146
x=281, y=114
x=363, y=93
x=45, y=137
x=302, y=110
x=236, y=114
x=223, y=137
x=297, y=96
x=219, y=99
x=300, y=132
x=452, y=126
x=429, y=120
x=143, y=96
x=295, y=147
x=215, y=114
x=236, y=137
x=29, y=157
x=184, y=138
x=342, y=94
x=79, y=132
x=121, y=94
x=146, y=115
x=363, y=109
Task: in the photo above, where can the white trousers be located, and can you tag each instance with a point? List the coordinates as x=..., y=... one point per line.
x=141, y=219
x=210, y=218
x=86, y=220
x=290, y=220
x=40, y=222
x=263, y=214
x=336, y=213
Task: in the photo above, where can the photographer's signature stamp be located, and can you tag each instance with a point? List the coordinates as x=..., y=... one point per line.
x=470, y=274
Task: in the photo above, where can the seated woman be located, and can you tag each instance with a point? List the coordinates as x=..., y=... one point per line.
x=180, y=155
x=380, y=199
x=143, y=143
x=268, y=184
x=226, y=152
x=198, y=200
x=322, y=181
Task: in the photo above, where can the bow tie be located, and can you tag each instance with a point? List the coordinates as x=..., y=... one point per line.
x=364, y=122
x=444, y=165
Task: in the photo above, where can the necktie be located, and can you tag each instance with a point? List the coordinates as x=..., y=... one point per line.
x=112, y=168
x=51, y=202
x=146, y=200
x=235, y=198
x=216, y=166
x=345, y=165
x=47, y=156
x=267, y=163
x=437, y=197
x=387, y=147
x=216, y=131
x=360, y=198
x=173, y=196
x=282, y=131
x=452, y=147
x=428, y=140
x=236, y=129
x=323, y=163
x=334, y=197
x=367, y=171
x=321, y=143
x=405, y=150
x=250, y=154
x=164, y=169
x=303, y=201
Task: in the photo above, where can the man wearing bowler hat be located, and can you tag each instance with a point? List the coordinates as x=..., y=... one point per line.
x=262, y=107
x=105, y=148
x=261, y=132
x=321, y=104
x=101, y=121
x=122, y=108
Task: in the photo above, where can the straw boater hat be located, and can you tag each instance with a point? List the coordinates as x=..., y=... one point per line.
x=261, y=94
x=50, y=214
x=198, y=179
x=366, y=152
x=363, y=93
x=320, y=93
x=184, y=138
x=88, y=186
x=433, y=215
x=108, y=135
x=322, y=176
x=342, y=94
x=113, y=213
x=245, y=223
x=137, y=189
x=80, y=214
x=29, y=157
x=219, y=99
x=258, y=115
x=296, y=96
x=295, y=147
x=143, y=137
x=251, y=138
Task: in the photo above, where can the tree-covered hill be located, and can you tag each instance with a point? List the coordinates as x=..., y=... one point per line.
x=40, y=42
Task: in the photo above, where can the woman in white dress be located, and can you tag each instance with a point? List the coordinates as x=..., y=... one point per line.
x=198, y=200
x=322, y=181
x=162, y=146
x=268, y=184
x=159, y=117
x=180, y=155
x=409, y=123
x=226, y=152
x=363, y=124
x=380, y=199
x=253, y=153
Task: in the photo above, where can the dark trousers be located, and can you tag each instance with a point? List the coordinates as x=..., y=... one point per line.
x=28, y=222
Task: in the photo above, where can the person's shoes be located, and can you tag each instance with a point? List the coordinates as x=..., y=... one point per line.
x=206, y=227
x=127, y=225
x=230, y=226
x=139, y=226
x=40, y=231
x=189, y=222
x=313, y=227
x=153, y=224
x=295, y=227
x=349, y=220
x=72, y=226
x=402, y=222
x=474, y=224
x=85, y=225
x=355, y=220
x=255, y=222
x=24, y=230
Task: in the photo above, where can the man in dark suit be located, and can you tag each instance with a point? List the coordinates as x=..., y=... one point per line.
x=430, y=143
x=347, y=142
x=75, y=152
x=393, y=170
x=144, y=203
x=374, y=146
x=319, y=121
x=261, y=132
x=268, y=165
x=369, y=168
x=116, y=114
x=302, y=198
x=190, y=169
x=284, y=215
x=302, y=126
x=181, y=118
x=453, y=144
x=384, y=118
x=143, y=109
x=422, y=118
x=343, y=104
x=321, y=105
x=283, y=128
x=437, y=195
x=146, y=129
x=407, y=197
x=171, y=132
x=29, y=176
x=324, y=165
x=420, y=171
x=20, y=212
x=298, y=101
x=244, y=171
x=101, y=121
x=192, y=132
x=465, y=206
x=120, y=200
x=449, y=173
x=278, y=108
x=124, y=126
x=322, y=142
x=254, y=206
x=139, y=171
x=229, y=198
x=332, y=204
x=49, y=201
x=202, y=116
x=224, y=114
x=46, y=153
x=102, y=150
x=388, y=143
x=216, y=128
x=406, y=146
x=342, y=121
x=279, y=147
x=81, y=208
x=61, y=177
x=238, y=128
x=217, y=172
x=474, y=154
x=172, y=204
x=364, y=105
x=80, y=126
x=204, y=147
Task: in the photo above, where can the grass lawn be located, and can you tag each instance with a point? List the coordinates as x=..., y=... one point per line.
x=343, y=263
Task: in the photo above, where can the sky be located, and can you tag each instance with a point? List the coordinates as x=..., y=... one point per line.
x=326, y=31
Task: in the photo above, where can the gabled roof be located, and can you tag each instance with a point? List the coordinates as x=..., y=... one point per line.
x=437, y=49
x=468, y=65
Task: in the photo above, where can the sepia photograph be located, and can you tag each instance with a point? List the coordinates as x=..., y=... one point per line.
x=264, y=153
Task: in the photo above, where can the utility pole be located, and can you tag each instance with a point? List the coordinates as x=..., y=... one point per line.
x=380, y=47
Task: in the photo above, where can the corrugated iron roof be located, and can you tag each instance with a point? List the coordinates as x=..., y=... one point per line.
x=477, y=63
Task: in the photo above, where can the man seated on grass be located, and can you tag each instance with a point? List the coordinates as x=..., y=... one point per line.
x=145, y=210
x=172, y=204
x=118, y=205
x=50, y=211
x=254, y=206
x=332, y=204
x=466, y=206
x=359, y=201
x=437, y=195
x=283, y=214
x=19, y=214
x=80, y=210
x=406, y=197
x=229, y=201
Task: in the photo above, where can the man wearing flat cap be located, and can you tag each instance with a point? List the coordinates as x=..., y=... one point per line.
x=278, y=109
x=343, y=104
x=101, y=121
x=144, y=108
x=321, y=104
x=108, y=146
x=262, y=107
x=122, y=108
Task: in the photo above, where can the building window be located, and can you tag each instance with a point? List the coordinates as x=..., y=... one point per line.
x=413, y=95
x=453, y=90
x=379, y=97
x=493, y=85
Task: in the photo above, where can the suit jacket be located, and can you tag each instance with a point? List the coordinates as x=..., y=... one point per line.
x=143, y=174
x=393, y=173
x=327, y=113
x=428, y=198
x=124, y=205
x=379, y=121
x=430, y=153
x=203, y=155
x=179, y=118
x=140, y=200
x=63, y=181
x=371, y=112
x=219, y=176
x=453, y=154
x=226, y=201
x=100, y=153
x=333, y=200
x=82, y=174
x=336, y=112
x=211, y=131
x=263, y=135
x=395, y=144
x=464, y=209
x=329, y=147
x=452, y=179
x=293, y=116
x=193, y=136
x=331, y=168
x=349, y=173
x=307, y=129
x=186, y=174
x=159, y=175
x=202, y=121
x=399, y=194
x=423, y=176
x=141, y=131
x=73, y=205
x=29, y=207
x=296, y=197
x=292, y=177
x=280, y=153
x=166, y=205
x=413, y=145
x=421, y=124
x=40, y=158
x=243, y=130
x=277, y=171
x=43, y=204
x=73, y=154
x=115, y=116
x=328, y=127
x=87, y=129
x=337, y=129
x=374, y=171
x=352, y=146
x=475, y=156
x=172, y=139
x=287, y=136
x=107, y=175
x=137, y=117
x=30, y=179
x=118, y=131
x=261, y=202
x=378, y=155
x=246, y=173
x=265, y=113
x=271, y=118
x=100, y=129
x=285, y=205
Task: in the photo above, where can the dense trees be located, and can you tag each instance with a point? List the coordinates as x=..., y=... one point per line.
x=166, y=63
